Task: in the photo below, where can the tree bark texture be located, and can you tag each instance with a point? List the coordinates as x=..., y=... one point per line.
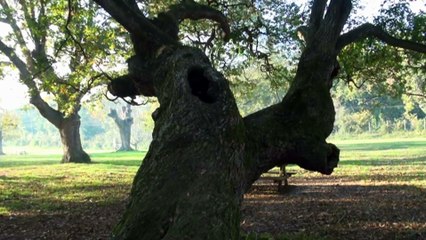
x=189, y=185
x=204, y=155
x=1, y=142
x=124, y=125
x=69, y=130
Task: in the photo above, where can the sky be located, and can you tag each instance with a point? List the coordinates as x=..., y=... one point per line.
x=13, y=94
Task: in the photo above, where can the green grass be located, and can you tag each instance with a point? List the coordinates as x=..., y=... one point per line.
x=380, y=161
x=39, y=183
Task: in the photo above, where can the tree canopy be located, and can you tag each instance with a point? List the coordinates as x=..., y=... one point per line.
x=59, y=49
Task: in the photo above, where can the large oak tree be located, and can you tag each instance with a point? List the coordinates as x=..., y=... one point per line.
x=48, y=43
x=204, y=155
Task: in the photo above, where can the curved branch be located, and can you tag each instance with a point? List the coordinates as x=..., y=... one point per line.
x=26, y=75
x=12, y=22
x=369, y=30
x=134, y=21
x=53, y=116
x=416, y=94
x=189, y=9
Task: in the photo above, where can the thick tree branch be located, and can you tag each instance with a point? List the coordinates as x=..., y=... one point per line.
x=191, y=10
x=335, y=19
x=12, y=22
x=317, y=14
x=135, y=22
x=291, y=140
x=53, y=116
x=26, y=75
x=369, y=30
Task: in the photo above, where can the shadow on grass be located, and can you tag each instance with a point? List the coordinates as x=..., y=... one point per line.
x=337, y=211
x=390, y=162
x=70, y=220
x=36, y=197
x=330, y=211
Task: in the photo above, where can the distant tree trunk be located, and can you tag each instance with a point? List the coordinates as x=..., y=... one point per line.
x=1, y=142
x=70, y=137
x=69, y=129
x=124, y=124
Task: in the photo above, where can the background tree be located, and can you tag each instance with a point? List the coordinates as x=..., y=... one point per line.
x=204, y=155
x=8, y=123
x=124, y=122
x=57, y=47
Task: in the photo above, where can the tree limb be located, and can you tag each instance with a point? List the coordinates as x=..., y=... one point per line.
x=53, y=116
x=416, y=94
x=11, y=21
x=189, y=9
x=368, y=30
x=336, y=17
x=26, y=75
x=134, y=21
x=317, y=14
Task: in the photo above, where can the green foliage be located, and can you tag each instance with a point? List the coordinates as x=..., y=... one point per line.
x=388, y=70
x=66, y=48
x=9, y=123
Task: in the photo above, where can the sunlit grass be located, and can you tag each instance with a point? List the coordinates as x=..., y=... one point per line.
x=38, y=184
x=380, y=162
x=35, y=183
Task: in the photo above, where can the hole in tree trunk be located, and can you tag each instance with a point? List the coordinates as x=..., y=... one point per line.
x=200, y=85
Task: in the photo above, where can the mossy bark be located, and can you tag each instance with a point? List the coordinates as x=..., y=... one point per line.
x=188, y=186
x=69, y=130
x=204, y=155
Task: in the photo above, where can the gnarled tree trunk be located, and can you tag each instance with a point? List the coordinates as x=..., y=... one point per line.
x=189, y=185
x=1, y=142
x=204, y=155
x=124, y=125
x=69, y=130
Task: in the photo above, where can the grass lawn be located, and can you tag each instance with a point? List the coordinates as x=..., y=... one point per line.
x=39, y=183
x=379, y=189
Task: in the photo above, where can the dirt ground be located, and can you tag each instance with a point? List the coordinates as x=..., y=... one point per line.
x=336, y=209
x=323, y=206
